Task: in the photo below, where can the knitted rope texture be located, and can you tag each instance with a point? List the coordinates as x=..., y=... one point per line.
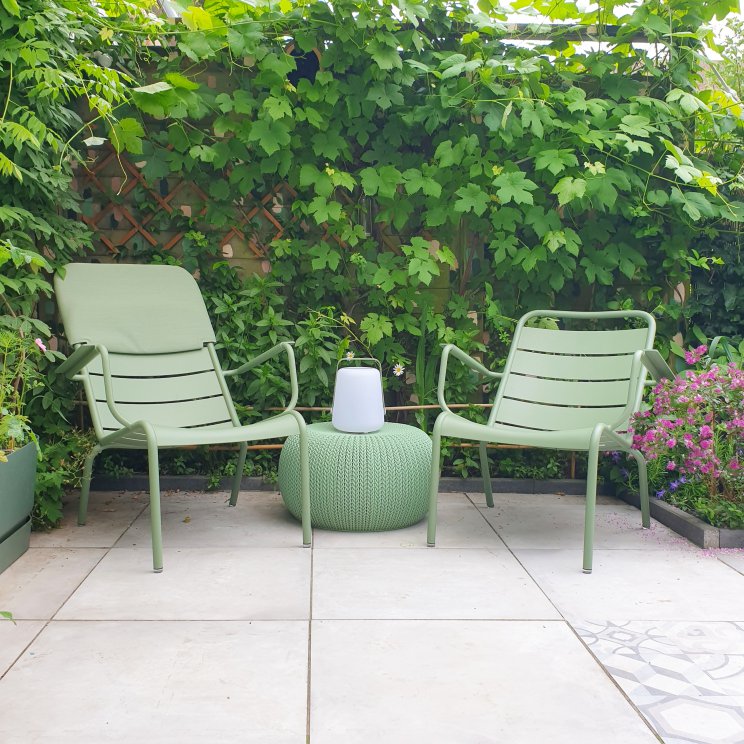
x=360, y=482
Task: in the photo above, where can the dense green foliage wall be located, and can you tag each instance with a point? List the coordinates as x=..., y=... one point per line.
x=447, y=178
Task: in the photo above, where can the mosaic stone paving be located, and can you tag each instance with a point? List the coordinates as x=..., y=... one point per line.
x=686, y=678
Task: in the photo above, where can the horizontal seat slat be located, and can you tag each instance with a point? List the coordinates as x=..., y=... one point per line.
x=582, y=342
x=553, y=418
x=156, y=365
x=563, y=392
x=572, y=367
x=158, y=389
x=189, y=413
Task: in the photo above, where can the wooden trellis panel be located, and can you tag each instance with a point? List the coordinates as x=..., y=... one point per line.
x=127, y=213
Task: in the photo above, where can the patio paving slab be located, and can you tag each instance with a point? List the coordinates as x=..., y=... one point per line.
x=160, y=683
x=638, y=585
x=205, y=520
x=40, y=581
x=544, y=521
x=196, y=584
x=109, y=515
x=14, y=637
x=366, y=583
x=686, y=678
x=525, y=499
x=733, y=558
x=459, y=526
x=463, y=682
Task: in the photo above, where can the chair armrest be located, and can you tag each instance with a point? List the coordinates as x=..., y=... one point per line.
x=655, y=364
x=468, y=361
x=284, y=346
x=80, y=357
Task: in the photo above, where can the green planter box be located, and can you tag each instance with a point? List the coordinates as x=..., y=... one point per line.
x=17, y=478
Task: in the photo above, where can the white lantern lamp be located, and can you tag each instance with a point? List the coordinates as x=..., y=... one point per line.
x=358, y=404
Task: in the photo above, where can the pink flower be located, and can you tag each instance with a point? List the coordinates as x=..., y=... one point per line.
x=40, y=344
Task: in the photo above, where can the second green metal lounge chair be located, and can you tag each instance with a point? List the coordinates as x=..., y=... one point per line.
x=560, y=389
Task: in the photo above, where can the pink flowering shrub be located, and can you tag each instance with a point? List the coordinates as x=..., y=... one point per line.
x=694, y=432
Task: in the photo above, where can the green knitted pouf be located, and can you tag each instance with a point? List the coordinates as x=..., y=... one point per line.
x=360, y=482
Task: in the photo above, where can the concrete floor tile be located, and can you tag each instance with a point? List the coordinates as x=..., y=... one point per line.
x=205, y=584
x=638, y=585
x=39, y=582
x=360, y=583
x=551, y=522
x=160, y=683
x=460, y=525
x=463, y=682
x=556, y=499
x=205, y=520
x=109, y=516
x=14, y=637
x=733, y=558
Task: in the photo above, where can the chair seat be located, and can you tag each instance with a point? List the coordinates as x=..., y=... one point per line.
x=169, y=436
x=567, y=439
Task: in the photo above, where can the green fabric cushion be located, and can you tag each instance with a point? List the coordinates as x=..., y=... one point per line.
x=133, y=309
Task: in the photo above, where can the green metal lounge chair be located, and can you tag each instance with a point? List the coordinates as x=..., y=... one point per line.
x=560, y=389
x=144, y=351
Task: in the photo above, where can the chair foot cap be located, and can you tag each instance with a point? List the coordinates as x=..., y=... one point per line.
x=429, y=544
x=157, y=570
x=587, y=570
x=307, y=545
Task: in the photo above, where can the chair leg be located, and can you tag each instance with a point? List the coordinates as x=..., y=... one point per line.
x=643, y=489
x=155, y=519
x=305, y=486
x=591, y=501
x=85, y=487
x=238, y=474
x=436, y=446
x=486, y=474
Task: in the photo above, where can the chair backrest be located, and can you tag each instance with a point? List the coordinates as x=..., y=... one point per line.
x=572, y=379
x=155, y=326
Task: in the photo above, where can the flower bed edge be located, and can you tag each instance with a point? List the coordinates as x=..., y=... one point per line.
x=697, y=531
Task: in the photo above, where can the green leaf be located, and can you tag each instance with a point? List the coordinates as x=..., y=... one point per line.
x=323, y=210
x=694, y=204
x=197, y=19
x=555, y=161
x=127, y=134
x=636, y=125
x=277, y=108
x=514, y=186
x=177, y=80
x=416, y=181
x=12, y=7
x=386, y=57
x=472, y=199
x=569, y=188
x=383, y=181
x=687, y=101
x=270, y=135
x=376, y=327
x=324, y=256
x=159, y=87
